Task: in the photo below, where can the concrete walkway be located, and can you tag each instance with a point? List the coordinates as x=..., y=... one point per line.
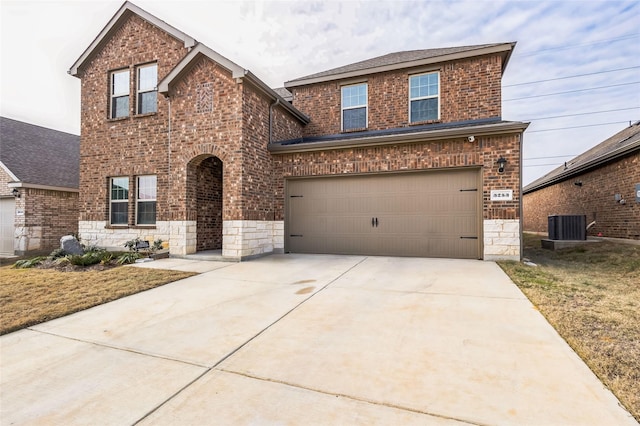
x=306, y=339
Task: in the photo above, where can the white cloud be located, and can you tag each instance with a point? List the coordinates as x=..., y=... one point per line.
x=283, y=40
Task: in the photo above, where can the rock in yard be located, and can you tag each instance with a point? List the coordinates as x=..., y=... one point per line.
x=69, y=244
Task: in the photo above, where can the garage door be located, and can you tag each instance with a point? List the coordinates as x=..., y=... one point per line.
x=7, y=214
x=426, y=214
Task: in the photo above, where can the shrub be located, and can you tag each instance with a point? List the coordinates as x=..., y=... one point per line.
x=57, y=253
x=89, y=258
x=128, y=257
x=29, y=263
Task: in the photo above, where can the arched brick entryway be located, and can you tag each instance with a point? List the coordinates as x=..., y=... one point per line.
x=204, y=200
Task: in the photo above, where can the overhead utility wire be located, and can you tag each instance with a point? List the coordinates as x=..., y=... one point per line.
x=572, y=91
x=571, y=76
x=544, y=158
x=541, y=165
x=577, y=127
x=581, y=113
x=571, y=46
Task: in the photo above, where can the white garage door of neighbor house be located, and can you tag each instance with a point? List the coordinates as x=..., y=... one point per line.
x=425, y=214
x=7, y=217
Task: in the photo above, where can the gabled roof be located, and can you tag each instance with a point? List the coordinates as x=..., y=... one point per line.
x=199, y=51
x=406, y=59
x=37, y=155
x=619, y=145
x=125, y=11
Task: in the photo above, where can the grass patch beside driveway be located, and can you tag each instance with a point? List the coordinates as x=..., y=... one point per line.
x=591, y=295
x=32, y=296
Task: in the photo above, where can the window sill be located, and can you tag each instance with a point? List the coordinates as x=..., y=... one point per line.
x=130, y=227
x=110, y=120
x=418, y=123
x=359, y=129
x=149, y=114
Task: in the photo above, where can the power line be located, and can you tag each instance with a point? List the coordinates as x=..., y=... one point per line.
x=571, y=46
x=541, y=165
x=544, y=158
x=572, y=91
x=581, y=113
x=577, y=127
x=571, y=76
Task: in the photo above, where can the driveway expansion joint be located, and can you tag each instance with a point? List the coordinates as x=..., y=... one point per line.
x=353, y=398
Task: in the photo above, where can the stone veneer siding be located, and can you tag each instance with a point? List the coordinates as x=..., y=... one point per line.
x=595, y=199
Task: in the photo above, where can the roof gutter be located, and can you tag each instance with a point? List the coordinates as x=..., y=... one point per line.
x=428, y=135
x=582, y=168
x=38, y=186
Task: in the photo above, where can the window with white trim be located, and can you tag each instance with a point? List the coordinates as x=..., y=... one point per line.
x=146, y=200
x=119, y=94
x=119, y=201
x=424, y=97
x=354, y=107
x=147, y=91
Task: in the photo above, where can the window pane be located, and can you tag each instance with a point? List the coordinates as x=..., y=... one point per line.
x=120, y=82
x=147, y=102
x=146, y=213
x=425, y=109
x=119, y=213
x=120, y=107
x=353, y=96
x=147, y=77
x=147, y=187
x=423, y=85
x=354, y=118
x=120, y=188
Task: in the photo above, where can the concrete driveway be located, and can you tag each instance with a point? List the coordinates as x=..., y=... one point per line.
x=306, y=339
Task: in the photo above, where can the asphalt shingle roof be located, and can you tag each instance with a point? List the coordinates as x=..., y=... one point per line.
x=396, y=58
x=39, y=155
x=622, y=143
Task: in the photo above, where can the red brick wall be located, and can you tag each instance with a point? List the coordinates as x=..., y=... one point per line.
x=130, y=146
x=483, y=152
x=56, y=212
x=595, y=199
x=469, y=89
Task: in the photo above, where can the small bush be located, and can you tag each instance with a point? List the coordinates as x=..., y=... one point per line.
x=57, y=253
x=89, y=258
x=128, y=257
x=29, y=263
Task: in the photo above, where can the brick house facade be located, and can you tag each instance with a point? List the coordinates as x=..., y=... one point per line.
x=38, y=193
x=602, y=184
x=220, y=148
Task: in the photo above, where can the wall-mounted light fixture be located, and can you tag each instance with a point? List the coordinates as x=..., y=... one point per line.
x=578, y=183
x=15, y=192
x=501, y=162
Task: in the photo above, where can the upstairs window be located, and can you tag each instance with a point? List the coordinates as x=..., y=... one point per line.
x=354, y=107
x=146, y=200
x=147, y=91
x=424, y=97
x=119, y=201
x=119, y=94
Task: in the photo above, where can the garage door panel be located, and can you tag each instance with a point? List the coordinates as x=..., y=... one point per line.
x=418, y=214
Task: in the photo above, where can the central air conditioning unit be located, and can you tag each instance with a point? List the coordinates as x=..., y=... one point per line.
x=567, y=227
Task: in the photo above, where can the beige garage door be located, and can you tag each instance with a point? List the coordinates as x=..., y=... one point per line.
x=427, y=214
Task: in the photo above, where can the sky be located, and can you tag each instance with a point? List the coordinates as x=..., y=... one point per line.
x=574, y=74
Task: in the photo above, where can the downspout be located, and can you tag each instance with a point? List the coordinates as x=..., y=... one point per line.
x=169, y=163
x=521, y=197
x=276, y=103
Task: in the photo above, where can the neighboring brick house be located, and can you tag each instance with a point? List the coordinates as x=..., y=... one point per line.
x=602, y=183
x=393, y=156
x=39, y=170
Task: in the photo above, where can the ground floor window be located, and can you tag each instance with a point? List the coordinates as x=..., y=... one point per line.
x=119, y=201
x=146, y=200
